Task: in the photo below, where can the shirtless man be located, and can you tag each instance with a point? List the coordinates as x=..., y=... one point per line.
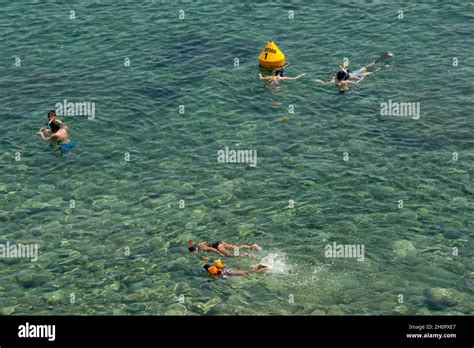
x=58, y=134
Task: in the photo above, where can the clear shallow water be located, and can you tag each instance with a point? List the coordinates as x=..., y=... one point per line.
x=190, y=62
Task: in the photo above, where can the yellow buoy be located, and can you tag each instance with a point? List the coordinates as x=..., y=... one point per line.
x=271, y=57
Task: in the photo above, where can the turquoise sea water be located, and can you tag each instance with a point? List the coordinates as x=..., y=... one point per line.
x=122, y=248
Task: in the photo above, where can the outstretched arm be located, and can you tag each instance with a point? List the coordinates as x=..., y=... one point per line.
x=373, y=72
x=356, y=81
x=293, y=78
x=368, y=65
x=374, y=62
x=324, y=82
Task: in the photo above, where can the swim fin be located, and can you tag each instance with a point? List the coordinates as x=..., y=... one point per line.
x=384, y=55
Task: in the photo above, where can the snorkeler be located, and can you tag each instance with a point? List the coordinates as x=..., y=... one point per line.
x=222, y=248
x=279, y=76
x=219, y=269
x=344, y=76
x=59, y=134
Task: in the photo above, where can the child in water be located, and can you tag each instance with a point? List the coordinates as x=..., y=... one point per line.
x=219, y=269
x=53, y=118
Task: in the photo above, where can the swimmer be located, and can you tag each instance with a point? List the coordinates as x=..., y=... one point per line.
x=219, y=269
x=59, y=134
x=344, y=77
x=222, y=248
x=279, y=76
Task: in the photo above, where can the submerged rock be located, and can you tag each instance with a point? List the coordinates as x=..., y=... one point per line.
x=335, y=311
x=237, y=301
x=198, y=215
x=382, y=285
x=135, y=297
x=424, y=311
x=113, y=287
x=4, y=217
x=8, y=310
x=176, y=309
x=205, y=307
x=318, y=312
x=459, y=202
x=440, y=298
x=119, y=311
x=31, y=278
x=46, y=188
x=453, y=234
x=456, y=267
x=246, y=229
x=400, y=309
x=54, y=297
x=343, y=297
x=404, y=248
x=181, y=288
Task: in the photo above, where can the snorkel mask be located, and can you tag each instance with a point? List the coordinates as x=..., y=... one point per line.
x=280, y=72
x=342, y=75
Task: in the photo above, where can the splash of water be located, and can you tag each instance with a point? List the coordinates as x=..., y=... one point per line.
x=277, y=262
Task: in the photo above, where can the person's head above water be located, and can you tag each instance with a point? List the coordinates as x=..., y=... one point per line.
x=192, y=248
x=342, y=75
x=279, y=72
x=52, y=114
x=54, y=126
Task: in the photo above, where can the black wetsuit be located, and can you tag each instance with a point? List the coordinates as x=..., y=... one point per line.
x=214, y=245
